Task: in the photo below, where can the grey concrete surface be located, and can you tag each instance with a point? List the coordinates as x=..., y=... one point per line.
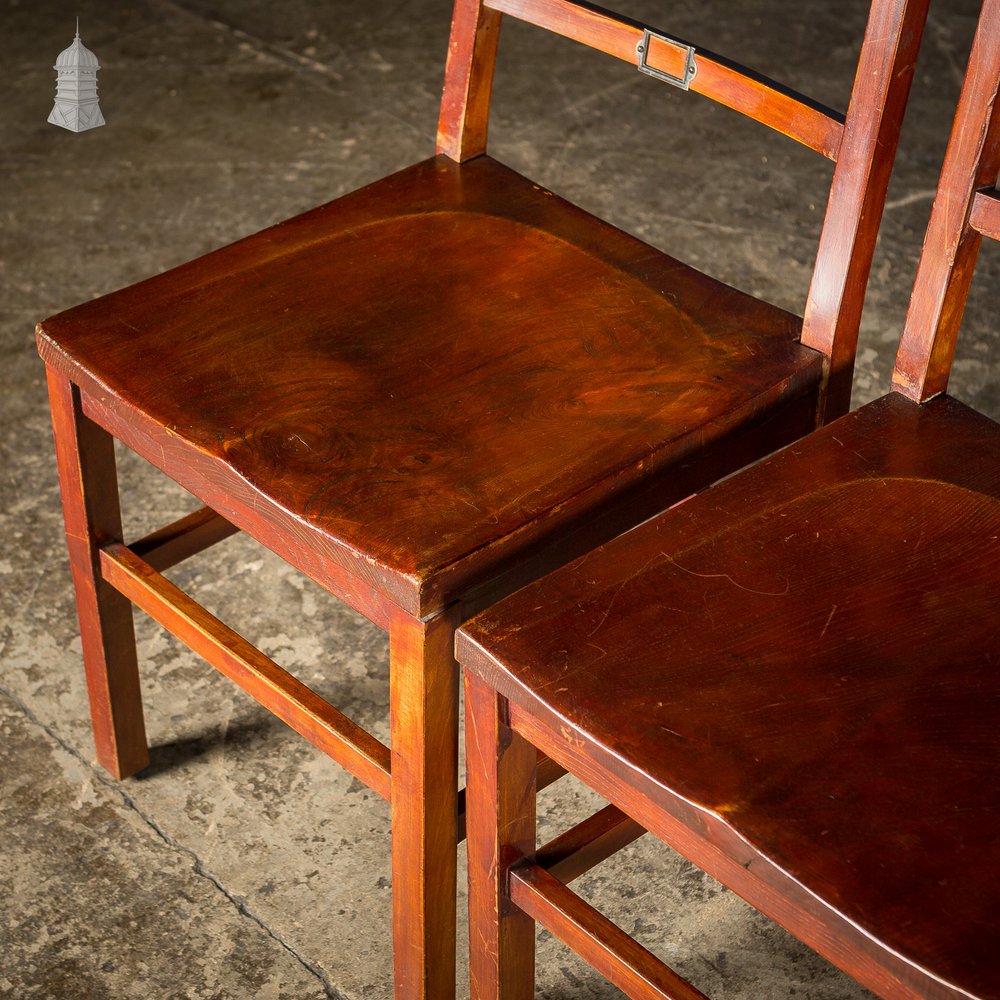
x=243, y=863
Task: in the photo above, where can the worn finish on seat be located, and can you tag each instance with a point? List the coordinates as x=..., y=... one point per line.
x=429, y=392
x=791, y=678
x=803, y=662
x=353, y=382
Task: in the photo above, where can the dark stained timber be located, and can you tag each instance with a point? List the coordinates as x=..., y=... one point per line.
x=791, y=678
x=431, y=391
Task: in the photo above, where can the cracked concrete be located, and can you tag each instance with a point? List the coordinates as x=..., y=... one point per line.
x=82, y=845
x=242, y=862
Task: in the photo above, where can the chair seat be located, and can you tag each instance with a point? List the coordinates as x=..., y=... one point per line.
x=431, y=370
x=808, y=655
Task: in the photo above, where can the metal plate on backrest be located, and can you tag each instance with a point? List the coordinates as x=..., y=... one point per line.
x=690, y=66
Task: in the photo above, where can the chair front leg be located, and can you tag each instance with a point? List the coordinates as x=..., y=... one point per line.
x=424, y=713
x=88, y=480
x=501, y=785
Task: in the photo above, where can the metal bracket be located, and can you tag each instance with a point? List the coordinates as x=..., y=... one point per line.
x=690, y=66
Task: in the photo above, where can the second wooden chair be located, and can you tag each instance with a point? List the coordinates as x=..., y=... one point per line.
x=791, y=678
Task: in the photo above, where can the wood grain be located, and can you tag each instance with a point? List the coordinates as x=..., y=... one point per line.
x=587, y=844
x=728, y=83
x=468, y=79
x=423, y=691
x=951, y=245
x=881, y=90
x=428, y=392
x=88, y=481
x=377, y=440
x=501, y=783
x=274, y=688
x=618, y=957
x=984, y=215
x=547, y=772
x=806, y=710
x=183, y=538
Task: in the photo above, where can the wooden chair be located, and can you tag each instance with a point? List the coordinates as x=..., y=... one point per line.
x=339, y=388
x=791, y=678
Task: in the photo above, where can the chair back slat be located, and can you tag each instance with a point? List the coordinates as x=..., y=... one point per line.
x=965, y=210
x=723, y=81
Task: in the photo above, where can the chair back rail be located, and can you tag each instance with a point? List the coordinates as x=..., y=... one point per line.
x=862, y=143
x=730, y=84
x=966, y=208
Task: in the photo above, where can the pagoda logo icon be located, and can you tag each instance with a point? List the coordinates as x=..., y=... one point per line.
x=76, y=106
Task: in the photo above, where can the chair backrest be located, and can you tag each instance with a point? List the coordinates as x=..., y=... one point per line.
x=966, y=208
x=862, y=143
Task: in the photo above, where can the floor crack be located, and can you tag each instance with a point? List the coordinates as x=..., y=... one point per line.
x=925, y=194
x=197, y=866
x=268, y=50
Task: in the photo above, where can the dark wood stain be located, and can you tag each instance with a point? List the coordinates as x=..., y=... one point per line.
x=420, y=415
x=806, y=656
x=425, y=394
x=790, y=678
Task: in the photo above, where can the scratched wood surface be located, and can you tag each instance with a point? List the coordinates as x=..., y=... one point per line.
x=806, y=654
x=422, y=369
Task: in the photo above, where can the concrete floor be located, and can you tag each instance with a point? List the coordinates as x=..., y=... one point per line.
x=243, y=863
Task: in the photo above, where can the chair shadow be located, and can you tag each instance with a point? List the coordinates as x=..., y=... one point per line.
x=165, y=757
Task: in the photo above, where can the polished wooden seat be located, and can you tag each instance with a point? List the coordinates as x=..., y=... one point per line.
x=376, y=404
x=431, y=391
x=808, y=709
x=790, y=678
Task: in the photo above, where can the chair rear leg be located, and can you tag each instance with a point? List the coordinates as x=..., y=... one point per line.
x=88, y=481
x=424, y=710
x=501, y=787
